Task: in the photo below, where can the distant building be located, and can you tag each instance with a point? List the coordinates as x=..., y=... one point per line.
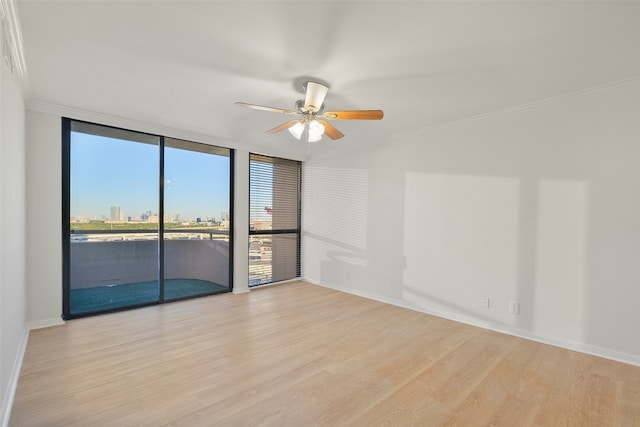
x=259, y=224
x=115, y=213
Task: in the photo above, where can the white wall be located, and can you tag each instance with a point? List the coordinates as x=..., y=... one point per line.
x=44, y=216
x=539, y=204
x=13, y=333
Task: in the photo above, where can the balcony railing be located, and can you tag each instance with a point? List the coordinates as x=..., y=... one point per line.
x=114, y=257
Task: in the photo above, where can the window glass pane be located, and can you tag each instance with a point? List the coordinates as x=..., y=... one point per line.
x=274, y=223
x=260, y=260
x=196, y=219
x=113, y=249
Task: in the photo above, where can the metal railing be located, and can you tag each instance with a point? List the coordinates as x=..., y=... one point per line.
x=211, y=232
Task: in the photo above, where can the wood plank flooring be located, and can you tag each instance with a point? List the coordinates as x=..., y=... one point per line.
x=301, y=355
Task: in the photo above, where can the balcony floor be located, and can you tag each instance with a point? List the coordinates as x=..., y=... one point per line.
x=108, y=297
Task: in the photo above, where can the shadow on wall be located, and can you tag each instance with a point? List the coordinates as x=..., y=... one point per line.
x=508, y=239
x=337, y=263
x=539, y=206
x=335, y=224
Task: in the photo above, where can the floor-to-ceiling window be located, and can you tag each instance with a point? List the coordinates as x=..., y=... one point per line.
x=274, y=219
x=197, y=219
x=146, y=219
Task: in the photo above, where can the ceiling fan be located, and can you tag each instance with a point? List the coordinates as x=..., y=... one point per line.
x=312, y=119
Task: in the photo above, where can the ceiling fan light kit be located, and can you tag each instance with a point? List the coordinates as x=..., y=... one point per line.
x=315, y=130
x=313, y=122
x=297, y=129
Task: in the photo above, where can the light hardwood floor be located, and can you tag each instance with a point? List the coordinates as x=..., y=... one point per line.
x=301, y=355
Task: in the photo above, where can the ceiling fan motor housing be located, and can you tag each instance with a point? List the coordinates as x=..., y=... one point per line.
x=315, y=94
x=301, y=109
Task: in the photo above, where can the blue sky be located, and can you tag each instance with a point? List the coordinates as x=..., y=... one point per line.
x=106, y=172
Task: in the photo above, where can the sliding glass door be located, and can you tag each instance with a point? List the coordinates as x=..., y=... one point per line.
x=146, y=219
x=197, y=218
x=113, y=236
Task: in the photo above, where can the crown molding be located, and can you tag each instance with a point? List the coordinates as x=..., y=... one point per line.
x=120, y=122
x=534, y=105
x=13, y=32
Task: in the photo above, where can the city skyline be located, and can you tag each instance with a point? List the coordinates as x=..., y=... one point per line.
x=108, y=172
x=123, y=215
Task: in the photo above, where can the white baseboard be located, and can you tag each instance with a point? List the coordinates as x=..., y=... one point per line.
x=521, y=333
x=7, y=402
x=45, y=323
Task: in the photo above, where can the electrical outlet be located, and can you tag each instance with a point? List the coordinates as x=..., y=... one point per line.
x=514, y=307
x=484, y=301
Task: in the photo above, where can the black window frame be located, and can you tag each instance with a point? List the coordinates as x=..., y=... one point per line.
x=66, y=222
x=280, y=231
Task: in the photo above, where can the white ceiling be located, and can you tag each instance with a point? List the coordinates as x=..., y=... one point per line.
x=183, y=64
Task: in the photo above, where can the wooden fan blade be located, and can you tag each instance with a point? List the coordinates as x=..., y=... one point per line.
x=283, y=126
x=263, y=108
x=331, y=130
x=354, y=115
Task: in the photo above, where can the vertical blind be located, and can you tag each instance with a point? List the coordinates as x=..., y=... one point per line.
x=274, y=219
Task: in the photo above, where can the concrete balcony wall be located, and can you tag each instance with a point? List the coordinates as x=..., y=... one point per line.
x=112, y=263
x=197, y=259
